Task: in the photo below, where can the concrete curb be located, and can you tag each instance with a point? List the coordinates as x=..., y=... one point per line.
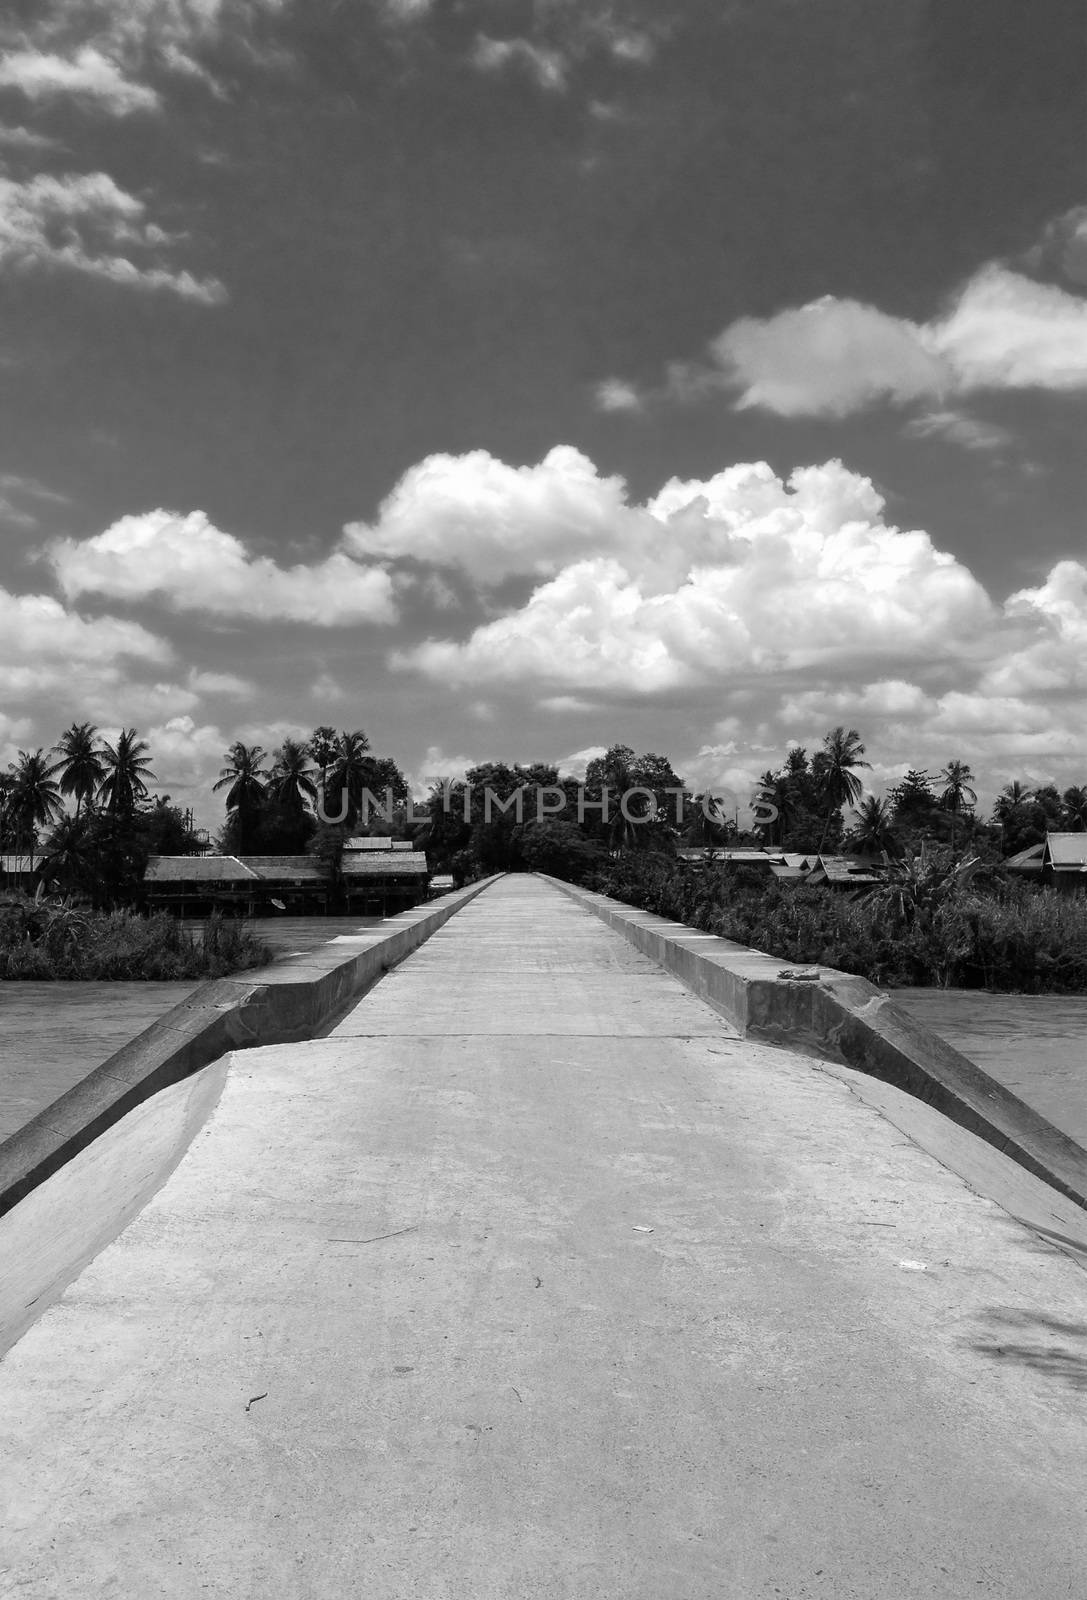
x=847, y=1020
x=291, y=1001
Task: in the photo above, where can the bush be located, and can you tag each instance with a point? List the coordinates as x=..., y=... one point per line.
x=929, y=926
x=54, y=939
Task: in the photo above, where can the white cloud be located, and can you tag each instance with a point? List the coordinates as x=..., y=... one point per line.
x=742, y=574
x=190, y=565
x=1062, y=248
x=1002, y=331
x=25, y=139
x=490, y=520
x=778, y=608
x=615, y=394
x=959, y=428
x=82, y=222
x=86, y=75
x=546, y=67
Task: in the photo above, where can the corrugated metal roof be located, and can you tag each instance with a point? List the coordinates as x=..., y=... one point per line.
x=740, y=857
x=198, y=869
x=1067, y=851
x=363, y=843
x=290, y=868
x=389, y=864
x=848, y=869
x=1029, y=860
x=20, y=863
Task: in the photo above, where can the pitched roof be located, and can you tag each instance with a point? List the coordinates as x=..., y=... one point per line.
x=363, y=843
x=1067, y=851
x=848, y=869
x=1029, y=860
x=198, y=869
x=286, y=868
x=384, y=864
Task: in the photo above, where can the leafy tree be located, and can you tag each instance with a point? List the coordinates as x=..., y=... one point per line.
x=127, y=769
x=81, y=763
x=560, y=848
x=350, y=774
x=322, y=748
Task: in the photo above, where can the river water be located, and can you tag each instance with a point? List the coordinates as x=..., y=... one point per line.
x=53, y=1034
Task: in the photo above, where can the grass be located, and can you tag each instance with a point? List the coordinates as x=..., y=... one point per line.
x=42, y=940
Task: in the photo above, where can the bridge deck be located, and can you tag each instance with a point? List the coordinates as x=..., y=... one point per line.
x=532, y=1280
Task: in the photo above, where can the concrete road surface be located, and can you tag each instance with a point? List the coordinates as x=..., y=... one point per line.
x=534, y=1281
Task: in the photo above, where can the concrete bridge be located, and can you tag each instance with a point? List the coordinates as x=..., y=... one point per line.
x=533, y=1278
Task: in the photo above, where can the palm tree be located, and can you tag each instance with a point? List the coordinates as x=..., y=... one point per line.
x=33, y=799
x=352, y=769
x=81, y=765
x=1075, y=808
x=957, y=795
x=244, y=779
x=126, y=770
x=843, y=753
x=1012, y=795
x=873, y=831
x=292, y=776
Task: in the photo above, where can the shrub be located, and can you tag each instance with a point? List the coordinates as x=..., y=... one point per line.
x=51, y=939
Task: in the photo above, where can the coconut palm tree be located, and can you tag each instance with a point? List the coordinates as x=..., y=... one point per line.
x=957, y=796
x=873, y=831
x=842, y=755
x=1075, y=808
x=292, y=776
x=82, y=765
x=127, y=769
x=34, y=799
x=245, y=779
x=352, y=769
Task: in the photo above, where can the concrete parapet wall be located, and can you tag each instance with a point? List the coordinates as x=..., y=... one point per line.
x=293, y=1000
x=847, y=1020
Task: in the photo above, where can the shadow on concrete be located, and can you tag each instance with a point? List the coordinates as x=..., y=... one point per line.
x=1053, y=1347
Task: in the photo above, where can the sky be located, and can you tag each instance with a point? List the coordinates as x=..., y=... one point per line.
x=511, y=378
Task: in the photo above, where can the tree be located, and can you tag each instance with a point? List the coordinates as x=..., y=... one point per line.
x=842, y=755
x=127, y=769
x=873, y=831
x=82, y=765
x=322, y=747
x=1074, y=816
x=350, y=772
x=292, y=782
x=244, y=779
x=957, y=796
x=34, y=798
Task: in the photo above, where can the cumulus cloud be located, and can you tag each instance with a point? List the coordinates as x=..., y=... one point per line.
x=475, y=513
x=791, y=603
x=86, y=75
x=50, y=654
x=1062, y=249
x=739, y=575
x=1002, y=331
x=190, y=565
x=84, y=222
